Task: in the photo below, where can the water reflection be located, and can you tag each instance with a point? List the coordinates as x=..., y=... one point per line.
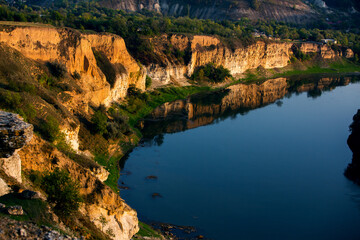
x=203, y=109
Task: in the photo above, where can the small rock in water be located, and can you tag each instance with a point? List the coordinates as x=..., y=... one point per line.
x=152, y=177
x=200, y=237
x=15, y=210
x=154, y=195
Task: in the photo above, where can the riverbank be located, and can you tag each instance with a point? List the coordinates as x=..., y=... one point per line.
x=139, y=105
x=340, y=66
x=179, y=190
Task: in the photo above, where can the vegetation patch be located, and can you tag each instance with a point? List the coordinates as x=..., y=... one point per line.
x=147, y=231
x=35, y=209
x=62, y=191
x=211, y=73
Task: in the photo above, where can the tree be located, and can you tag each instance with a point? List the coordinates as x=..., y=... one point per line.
x=62, y=191
x=99, y=120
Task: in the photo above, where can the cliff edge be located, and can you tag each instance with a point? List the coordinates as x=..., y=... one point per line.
x=23, y=152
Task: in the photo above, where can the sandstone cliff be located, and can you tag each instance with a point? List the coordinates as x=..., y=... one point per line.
x=76, y=51
x=238, y=59
x=101, y=201
x=34, y=154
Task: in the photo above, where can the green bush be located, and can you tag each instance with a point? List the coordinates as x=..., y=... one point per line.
x=19, y=86
x=298, y=54
x=36, y=178
x=49, y=128
x=117, y=126
x=62, y=191
x=210, y=73
x=99, y=120
x=133, y=91
x=148, y=82
x=46, y=80
x=10, y=100
x=57, y=69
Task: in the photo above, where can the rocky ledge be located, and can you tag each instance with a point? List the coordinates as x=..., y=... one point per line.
x=14, y=133
x=353, y=170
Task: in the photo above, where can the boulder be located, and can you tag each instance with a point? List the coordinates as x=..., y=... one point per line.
x=15, y=210
x=4, y=188
x=14, y=133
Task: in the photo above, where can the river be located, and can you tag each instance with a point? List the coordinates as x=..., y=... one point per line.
x=251, y=162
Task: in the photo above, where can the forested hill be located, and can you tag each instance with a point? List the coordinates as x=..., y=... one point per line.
x=292, y=11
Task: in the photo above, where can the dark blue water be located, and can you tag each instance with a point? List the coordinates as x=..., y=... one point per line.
x=273, y=173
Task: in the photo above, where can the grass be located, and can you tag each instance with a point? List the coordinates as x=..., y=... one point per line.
x=25, y=24
x=111, y=163
x=35, y=209
x=336, y=67
x=341, y=66
x=159, y=97
x=147, y=231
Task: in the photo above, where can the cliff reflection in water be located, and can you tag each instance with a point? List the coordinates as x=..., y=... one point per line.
x=203, y=109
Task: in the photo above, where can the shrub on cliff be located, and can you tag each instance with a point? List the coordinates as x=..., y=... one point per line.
x=62, y=191
x=211, y=73
x=99, y=120
x=49, y=128
x=57, y=69
x=148, y=82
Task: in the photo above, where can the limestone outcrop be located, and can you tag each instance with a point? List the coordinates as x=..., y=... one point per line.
x=202, y=50
x=14, y=134
x=21, y=151
x=101, y=202
x=76, y=51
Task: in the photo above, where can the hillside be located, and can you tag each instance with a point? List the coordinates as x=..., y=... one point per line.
x=83, y=92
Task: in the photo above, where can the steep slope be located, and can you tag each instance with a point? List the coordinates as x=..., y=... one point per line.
x=21, y=152
x=283, y=10
x=75, y=51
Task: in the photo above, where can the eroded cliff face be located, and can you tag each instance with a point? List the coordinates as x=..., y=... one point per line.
x=126, y=69
x=76, y=51
x=201, y=50
x=100, y=200
x=325, y=51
